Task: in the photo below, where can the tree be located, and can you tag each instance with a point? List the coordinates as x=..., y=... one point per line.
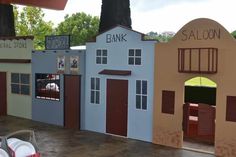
x=162, y=37
x=80, y=26
x=29, y=21
x=234, y=34
x=7, y=27
x=114, y=12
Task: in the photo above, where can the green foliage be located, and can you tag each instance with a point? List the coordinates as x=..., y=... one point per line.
x=234, y=34
x=163, y=37
x=80, y=26
x=29, y=21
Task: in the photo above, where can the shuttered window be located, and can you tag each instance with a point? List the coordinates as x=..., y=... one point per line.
x=168, y=102
x=231, y=109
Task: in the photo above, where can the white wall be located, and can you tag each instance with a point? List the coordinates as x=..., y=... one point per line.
x=139, y=121
x=17, y=105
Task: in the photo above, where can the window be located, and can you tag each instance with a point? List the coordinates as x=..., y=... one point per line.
x=101, y=56
x=141, y=94
x=47, y=86
x=20, y=83
x=231, y=108
x=134, y=57
x=168, y=102
x=95, y=90
x=198, y=60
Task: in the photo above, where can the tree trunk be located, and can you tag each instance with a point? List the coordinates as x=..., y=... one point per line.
x=114, y=12
x=7, y=26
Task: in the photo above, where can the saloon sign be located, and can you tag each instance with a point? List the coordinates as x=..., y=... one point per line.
x=197, y=34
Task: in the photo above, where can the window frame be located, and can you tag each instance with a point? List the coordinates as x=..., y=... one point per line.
x=141, y=94
x=134, y=57
x=102, y=57
x=96, y=90
x=20, y=84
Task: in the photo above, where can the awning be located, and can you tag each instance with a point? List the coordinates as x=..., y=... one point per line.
x=115, y=72
x=15, y=61
x=49, y=4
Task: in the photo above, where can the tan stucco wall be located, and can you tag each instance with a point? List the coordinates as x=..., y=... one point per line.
x=17, y=105
x=167, y=128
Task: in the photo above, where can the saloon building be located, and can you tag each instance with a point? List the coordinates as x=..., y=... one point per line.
x=202, y=48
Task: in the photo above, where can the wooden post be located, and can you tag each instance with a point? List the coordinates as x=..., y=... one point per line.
x=7, y=26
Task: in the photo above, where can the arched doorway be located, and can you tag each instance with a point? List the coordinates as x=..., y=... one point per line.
x=199, y=114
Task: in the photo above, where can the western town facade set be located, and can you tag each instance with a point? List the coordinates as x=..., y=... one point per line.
x=123, y=84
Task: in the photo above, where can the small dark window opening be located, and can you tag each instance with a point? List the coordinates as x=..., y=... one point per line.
x=47, y=86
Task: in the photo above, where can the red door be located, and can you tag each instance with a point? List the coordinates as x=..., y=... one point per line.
x=72, y=102
x=117, y=109
x=3, y=95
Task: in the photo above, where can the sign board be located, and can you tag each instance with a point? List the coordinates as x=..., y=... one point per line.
x=57, y=42
x=74, y=64
x=60, y=64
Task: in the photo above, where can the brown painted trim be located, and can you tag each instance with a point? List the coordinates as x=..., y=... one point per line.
x=17, y=38
x=198, y=72
x=208, y=67
x=199, y=59
x=115, y=72
x=190, y=59
x=179, y=68
x=216, y=60
x=15, y=60
x=212, y=57
x=202, y=48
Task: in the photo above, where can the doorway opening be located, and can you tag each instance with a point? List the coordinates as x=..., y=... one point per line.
x=199, y=114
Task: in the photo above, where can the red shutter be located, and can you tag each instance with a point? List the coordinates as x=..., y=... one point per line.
x=168, y=102
x=231, y=108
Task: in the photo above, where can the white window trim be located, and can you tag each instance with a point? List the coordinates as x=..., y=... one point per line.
x=95, y=90
x=21, y=83
x=101, y=49
x=134, y=57
x=141, y=109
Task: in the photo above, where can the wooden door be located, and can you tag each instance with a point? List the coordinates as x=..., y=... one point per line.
x=206, y=119
x=3, y=94
x=185, y=122
x=117, y=108
x=72, y=102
